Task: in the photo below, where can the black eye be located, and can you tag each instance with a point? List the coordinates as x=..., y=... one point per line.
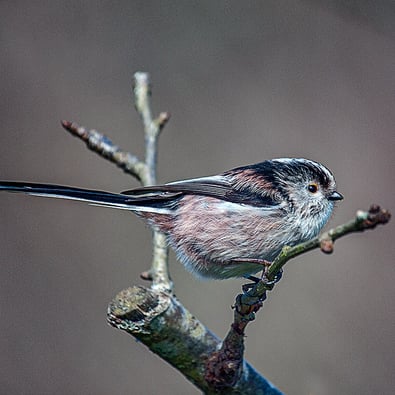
x=313, y=188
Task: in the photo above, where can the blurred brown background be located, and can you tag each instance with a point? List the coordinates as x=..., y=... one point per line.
x=244, y=82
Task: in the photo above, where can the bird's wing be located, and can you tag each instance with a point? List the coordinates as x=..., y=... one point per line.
x=219, y=187
x=157, y=198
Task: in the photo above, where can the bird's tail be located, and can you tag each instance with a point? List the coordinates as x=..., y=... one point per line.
x=140, y=202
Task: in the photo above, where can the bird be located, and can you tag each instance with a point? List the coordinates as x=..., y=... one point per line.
x=228, y=225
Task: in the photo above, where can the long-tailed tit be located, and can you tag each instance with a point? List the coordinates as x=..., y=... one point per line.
x=229, y=224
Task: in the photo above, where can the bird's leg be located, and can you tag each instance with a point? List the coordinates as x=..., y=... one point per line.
x=266, y=264
x=254, y=279
x=258, y=261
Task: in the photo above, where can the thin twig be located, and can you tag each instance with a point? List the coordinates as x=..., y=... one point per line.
x=104, y=147
x=152, y=128
x=363, y=220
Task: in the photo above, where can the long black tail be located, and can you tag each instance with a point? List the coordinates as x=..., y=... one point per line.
x=141, y=202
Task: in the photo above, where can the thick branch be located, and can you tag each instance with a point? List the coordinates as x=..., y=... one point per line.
x=160, y=321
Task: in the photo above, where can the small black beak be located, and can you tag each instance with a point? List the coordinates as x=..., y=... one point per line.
x=335, y=196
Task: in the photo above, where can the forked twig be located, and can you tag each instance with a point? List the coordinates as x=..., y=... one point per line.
x=143, y=171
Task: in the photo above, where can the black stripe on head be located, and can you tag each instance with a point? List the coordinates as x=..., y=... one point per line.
x=278, y=171
x=302, y=169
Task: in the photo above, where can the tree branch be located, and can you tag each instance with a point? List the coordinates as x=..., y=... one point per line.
x=159, y=272
x=155, y=317
x=363, y=220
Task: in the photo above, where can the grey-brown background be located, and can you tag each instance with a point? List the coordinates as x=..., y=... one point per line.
x=244, y=81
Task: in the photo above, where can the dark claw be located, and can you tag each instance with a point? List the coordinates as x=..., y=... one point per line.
x=278, y=276
x=249, y=286
x=270, y=284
